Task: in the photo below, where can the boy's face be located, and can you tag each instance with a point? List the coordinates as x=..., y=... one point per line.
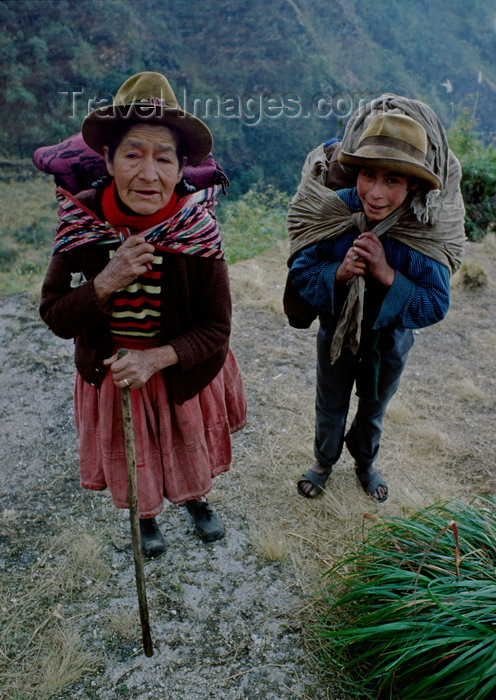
x=381, y=191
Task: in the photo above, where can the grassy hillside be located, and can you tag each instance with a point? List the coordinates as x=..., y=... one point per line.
x=278, y=76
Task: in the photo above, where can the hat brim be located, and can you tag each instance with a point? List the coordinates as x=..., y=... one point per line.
x=196, y=139
x=388, y=158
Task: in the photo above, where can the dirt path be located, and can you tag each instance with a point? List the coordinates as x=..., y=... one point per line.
x=228, y=620
x=222, y=616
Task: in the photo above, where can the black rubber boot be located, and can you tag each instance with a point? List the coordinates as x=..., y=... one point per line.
x=152, y=540
x=207, y=522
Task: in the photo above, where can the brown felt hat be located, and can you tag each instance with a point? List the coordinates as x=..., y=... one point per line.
x=394, y=141
x=148, y=98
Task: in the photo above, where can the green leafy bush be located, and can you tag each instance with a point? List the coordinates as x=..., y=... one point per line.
x=414, y=617
x=252, y=223
x=478, y=161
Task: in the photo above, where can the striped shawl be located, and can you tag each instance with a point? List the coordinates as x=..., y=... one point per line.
x=191, y=229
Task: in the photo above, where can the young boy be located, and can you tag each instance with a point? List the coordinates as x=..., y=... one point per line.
x=403, y=289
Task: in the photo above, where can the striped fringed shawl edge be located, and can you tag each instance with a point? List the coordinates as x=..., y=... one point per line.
x=191, y=230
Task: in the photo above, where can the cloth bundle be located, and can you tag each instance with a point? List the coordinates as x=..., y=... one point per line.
x=432, y=223
x=76, y=167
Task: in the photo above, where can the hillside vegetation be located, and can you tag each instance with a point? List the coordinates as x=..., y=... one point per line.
x=277, y=77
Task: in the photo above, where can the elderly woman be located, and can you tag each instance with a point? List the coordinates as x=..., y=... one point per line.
x=138, y=264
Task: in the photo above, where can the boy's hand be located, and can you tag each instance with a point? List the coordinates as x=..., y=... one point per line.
x=352, y=265
x=371, y=251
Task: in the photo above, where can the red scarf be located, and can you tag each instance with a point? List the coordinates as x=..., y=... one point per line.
x=138, y=222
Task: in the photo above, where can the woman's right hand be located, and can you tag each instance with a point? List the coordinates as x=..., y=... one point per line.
x=129, y=261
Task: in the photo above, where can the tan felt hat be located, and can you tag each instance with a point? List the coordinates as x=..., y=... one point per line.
x=148, y=97
x=397, y=142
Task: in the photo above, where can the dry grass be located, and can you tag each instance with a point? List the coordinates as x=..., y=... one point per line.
x=124, y=623
x=259, y=283
x=271, y=543
x=488, y=244
x=62, y=662
x=40, y=648
x=56, y=661
x=28, y=215
x=427, y=440
x=469, y=392
x=473, y=274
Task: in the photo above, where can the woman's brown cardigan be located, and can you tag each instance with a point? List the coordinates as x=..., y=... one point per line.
x=195, y=312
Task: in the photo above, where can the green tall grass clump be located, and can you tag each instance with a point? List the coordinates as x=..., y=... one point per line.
x=414, y=614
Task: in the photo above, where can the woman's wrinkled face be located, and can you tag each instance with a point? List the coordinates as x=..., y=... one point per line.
x=381, y=191
x=145, y=168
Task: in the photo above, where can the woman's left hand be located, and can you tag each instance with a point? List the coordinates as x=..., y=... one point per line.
x=137, y=366
x=370, y=249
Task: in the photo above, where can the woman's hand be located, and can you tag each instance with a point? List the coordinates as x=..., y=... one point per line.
x=130, y=260
x=371, y=251
x=137, y=366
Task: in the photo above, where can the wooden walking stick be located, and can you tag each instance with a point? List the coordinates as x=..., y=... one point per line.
x=127, y=418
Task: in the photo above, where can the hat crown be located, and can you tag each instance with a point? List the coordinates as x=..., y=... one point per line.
x=397, y=142
x=400, y=127
x=148, y=97
x=146, y=88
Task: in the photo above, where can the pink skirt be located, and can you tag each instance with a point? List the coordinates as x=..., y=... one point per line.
x=179, y=449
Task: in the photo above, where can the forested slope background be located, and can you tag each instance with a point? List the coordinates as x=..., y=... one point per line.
x=277, y=76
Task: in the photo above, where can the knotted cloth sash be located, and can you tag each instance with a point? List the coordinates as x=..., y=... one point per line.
x=431, y=223
x=191, y=229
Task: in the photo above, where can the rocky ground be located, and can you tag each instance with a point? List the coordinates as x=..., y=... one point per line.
x=228, y=620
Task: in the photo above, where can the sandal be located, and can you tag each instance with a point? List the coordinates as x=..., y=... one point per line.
x=317, y=480
x=371, y=481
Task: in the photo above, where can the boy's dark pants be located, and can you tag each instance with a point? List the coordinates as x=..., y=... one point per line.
x=334, y=387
